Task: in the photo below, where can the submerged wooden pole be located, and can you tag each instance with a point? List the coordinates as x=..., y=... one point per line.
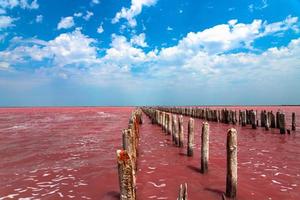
x=190, y=137
x=182, y=192
x=231, y=179
x=181, y=135
x=127, y=190
x=204, y=147
x=293, y=121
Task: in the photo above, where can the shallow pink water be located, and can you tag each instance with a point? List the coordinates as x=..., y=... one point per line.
x=268, y=163
x=69, y=153
x=60, y=153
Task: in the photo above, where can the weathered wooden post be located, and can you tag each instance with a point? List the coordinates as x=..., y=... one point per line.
x=183, y=192
x=244, y=121
x=253, y=119
x=293, y=121
x=181, y=135
x=282, y=123
x=277, y=119
x=267, y=123
x=170, y=124
x=273, y=120
x=175, y=130
x=231, y=179
x=163, y=121
x=190, y=137
x=127, y=189
x=204, y=147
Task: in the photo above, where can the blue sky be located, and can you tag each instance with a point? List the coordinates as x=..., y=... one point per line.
x=149, y=52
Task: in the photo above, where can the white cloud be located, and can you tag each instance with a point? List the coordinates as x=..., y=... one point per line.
x=6, y=21
x=130, y=13
x=79, y=14
x=24, y=4
x=124, y=55
x=4, y=65
x=139, y=40
x=264, y=4
x=169, y=28
x=95, y=1
x=225, y=37
x=88, y=15
x=72, y=47
x=65, y=49
x=39, y=19
x=201, y=57
x=65, y=23
x=100, y=29
x=289, y=23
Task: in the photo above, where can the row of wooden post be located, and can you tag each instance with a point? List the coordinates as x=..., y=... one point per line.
x=127, y=157
x=170, y=125
x=243, y=117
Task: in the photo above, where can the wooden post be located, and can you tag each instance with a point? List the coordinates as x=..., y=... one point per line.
x=190, y=137
x=163, y=121
x=282, y=123
x=231, y=179
x=170, y=124
x=277, y=119
x=127, y=190
x=273, y=121
x=175, y=129
x=253, y=119
x=183, y=192
x=243, y=118
x=293, y=121
x=181, y=135
x=267, y=123
x=204, y=147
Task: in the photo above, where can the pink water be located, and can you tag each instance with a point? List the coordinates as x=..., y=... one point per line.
x=69, y=153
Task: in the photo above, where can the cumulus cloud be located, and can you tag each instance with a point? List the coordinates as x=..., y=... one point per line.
x=88, y=15
x=123, y=54
x=39, y=19
x=139, y=40
x=130, y=13
x=263, y=4
x=169, y=28
x=226, y=37
x=24, y=4
x=199, y=55
x=6, y=21
x=100, y=29
x=79, y=14
x=95, y=2
x=4, y=65
x=65, y=49
x=65, y=23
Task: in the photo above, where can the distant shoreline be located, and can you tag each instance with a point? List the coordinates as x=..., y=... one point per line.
x=145, y=105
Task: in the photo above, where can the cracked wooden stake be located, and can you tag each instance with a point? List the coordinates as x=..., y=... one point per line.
x=231, y=179
x=127, y=190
